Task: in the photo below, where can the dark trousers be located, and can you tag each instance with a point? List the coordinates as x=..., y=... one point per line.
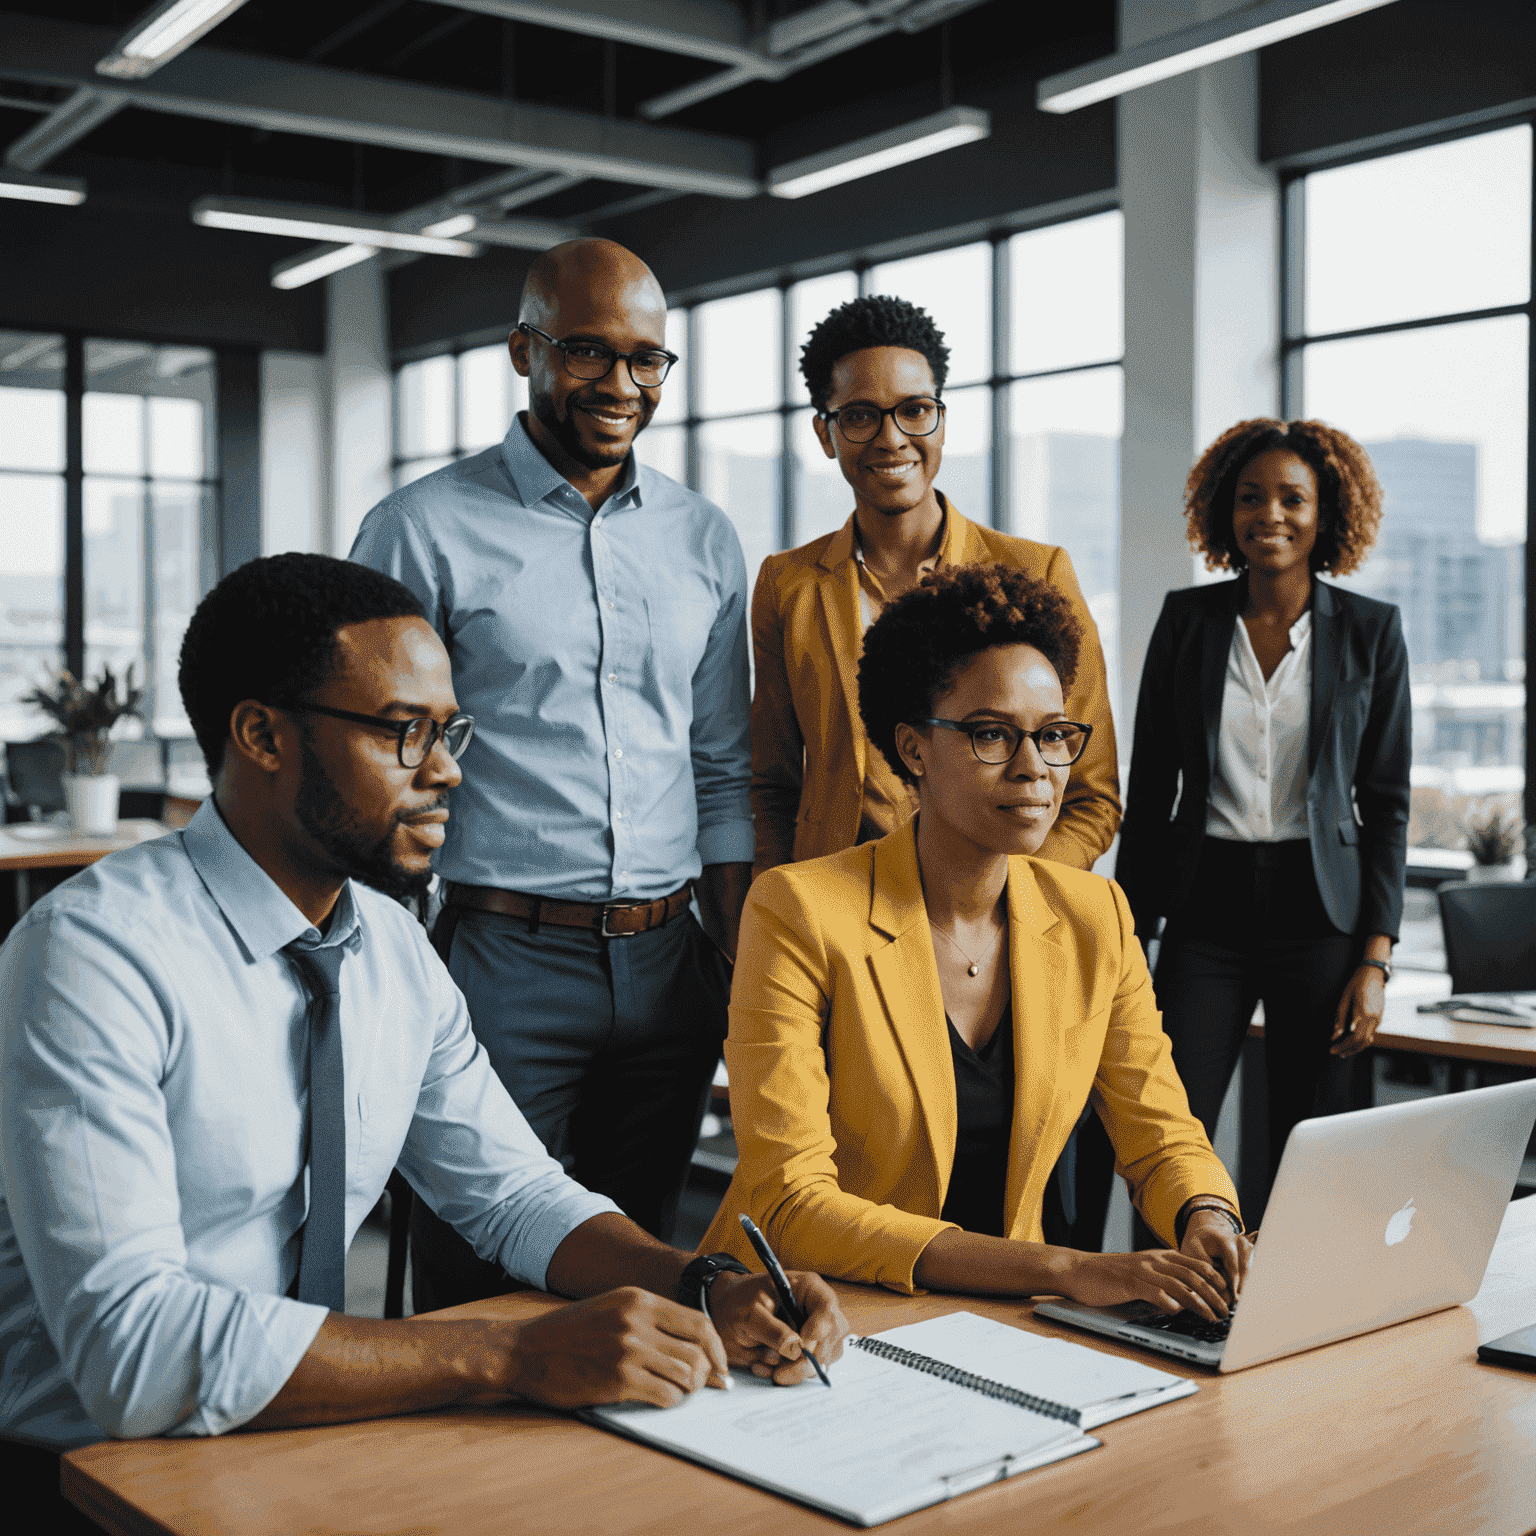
x=608, y=1047
x=1254, y=928
x=29, y=1476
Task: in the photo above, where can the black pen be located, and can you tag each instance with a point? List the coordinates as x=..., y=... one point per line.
x=794, y=1314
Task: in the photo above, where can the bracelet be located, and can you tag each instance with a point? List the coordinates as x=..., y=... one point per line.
x=1384, y=966
x=1182, y=1222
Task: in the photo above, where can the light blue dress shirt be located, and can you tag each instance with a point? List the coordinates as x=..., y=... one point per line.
x=153, y=1100
x=604, y=658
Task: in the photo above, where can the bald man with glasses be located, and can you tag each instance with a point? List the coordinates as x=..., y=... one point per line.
x=595, y=613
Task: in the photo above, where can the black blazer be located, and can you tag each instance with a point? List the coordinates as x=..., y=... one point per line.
x=1358, y=743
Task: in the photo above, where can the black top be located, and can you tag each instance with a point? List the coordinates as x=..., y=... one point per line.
x=984, y=1101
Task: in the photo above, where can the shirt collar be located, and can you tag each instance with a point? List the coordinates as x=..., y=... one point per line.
x=535, y=479
x=263, y=918
x=943, y=556
x=1301, y=629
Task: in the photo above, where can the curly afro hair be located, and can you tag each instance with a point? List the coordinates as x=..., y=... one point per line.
x=913, y=650
x=268, y=632
x=878, y=320
x=1348, y=493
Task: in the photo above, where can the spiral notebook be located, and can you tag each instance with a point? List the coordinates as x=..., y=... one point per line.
x=916, y=1415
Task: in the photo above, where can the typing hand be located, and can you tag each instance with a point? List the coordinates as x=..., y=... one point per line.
x=743, y=1307
x=1209, y=1236
x=1171, y=1281
x=625, y=1346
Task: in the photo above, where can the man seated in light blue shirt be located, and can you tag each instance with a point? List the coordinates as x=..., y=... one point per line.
x=194, y=1120
x=595, y=612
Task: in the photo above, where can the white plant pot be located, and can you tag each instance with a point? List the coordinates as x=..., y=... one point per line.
x=91, y=799
x=1489, y=874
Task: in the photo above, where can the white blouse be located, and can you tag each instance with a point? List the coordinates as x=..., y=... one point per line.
x=1259, y=788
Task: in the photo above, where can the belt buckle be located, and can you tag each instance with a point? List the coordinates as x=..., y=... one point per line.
x=619, y=906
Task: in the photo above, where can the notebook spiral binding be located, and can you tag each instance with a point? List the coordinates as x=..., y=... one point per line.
x=988, y=1388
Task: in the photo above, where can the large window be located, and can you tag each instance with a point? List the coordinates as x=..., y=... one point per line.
x=446, y=407
x=1409, y=327
x=1032, y=432
x=145, y=467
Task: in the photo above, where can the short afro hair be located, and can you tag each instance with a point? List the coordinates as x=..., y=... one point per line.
x=877, y=320
x=913, y=650
x=1348, y=493
x=268, y=632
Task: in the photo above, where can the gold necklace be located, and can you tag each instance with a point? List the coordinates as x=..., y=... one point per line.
x=975, y=965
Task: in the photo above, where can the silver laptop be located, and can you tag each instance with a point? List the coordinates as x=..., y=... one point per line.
x=1376, y=1216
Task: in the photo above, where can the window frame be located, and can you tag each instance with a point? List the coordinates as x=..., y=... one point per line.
x=214, y=534
x=1294, y=340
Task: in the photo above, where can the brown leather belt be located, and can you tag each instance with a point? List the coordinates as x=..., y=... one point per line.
x=615, y=920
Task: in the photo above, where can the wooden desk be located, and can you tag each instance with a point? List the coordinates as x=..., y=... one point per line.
x=1399, y=1431
x=21, y=851
x=1404, y=1028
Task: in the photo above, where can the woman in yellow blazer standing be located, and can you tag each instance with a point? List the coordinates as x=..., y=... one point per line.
x=875, y=370
x=917, y=1023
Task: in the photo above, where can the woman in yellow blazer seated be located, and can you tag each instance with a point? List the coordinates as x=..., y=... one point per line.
x=918, y=1022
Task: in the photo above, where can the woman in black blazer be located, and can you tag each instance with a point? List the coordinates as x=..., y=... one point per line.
x=1266, y=819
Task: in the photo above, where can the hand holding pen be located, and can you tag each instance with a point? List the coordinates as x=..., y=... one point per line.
x=794, y=1313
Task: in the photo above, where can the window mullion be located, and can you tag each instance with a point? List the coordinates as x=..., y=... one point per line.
x=74, y=504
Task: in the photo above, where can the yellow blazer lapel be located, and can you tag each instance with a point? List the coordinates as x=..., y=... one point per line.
x=838, y=592
x=901, y=959
x=1039, y=972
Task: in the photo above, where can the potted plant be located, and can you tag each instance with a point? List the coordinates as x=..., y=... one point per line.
x=84, y=716
x=1494, y=840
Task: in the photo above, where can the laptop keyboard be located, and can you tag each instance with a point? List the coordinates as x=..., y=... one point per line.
x=1188, y=1325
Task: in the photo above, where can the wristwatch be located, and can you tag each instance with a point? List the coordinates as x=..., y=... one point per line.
x=701, y=1273
x=1384, y=966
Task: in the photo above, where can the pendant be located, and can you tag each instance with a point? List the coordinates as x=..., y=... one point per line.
x=974, y=969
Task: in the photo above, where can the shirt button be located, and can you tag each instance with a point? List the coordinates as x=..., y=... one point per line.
x=618, y=751
x=608, y=605
x=618, y=815
x=613, y=677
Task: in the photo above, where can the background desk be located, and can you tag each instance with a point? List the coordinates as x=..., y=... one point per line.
x=20, y=853
x=1399, y=1431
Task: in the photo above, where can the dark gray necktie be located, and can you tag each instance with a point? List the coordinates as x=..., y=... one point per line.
x=323, y=1243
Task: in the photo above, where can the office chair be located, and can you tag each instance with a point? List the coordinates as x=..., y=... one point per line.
x=34, y=773
x=1490, y=936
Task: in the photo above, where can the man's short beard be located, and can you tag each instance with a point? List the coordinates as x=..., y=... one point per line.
x=330, y=821
x=568, y=434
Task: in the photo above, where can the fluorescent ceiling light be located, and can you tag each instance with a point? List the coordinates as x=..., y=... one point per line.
x=1243, y=31
x=522, y=234
x=265, y=218
x=310, y=266
x=32, y=188
x=455, y=224
x=879, y=152
x=159, y=36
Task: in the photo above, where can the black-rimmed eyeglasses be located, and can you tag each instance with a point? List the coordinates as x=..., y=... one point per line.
x=591, y=360
x=1059, y=744
x=916, y=417
x=414, y=739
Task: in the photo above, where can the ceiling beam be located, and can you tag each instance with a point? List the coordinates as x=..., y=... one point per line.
x=287, y=97
x=66, y=124
x=702, y=29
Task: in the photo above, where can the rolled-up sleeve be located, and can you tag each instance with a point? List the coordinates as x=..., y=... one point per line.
x=472, y=1157
x=90, y=1179
x=720, y=739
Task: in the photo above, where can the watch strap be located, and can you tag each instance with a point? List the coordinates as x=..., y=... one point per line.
x=1384, y=966
x=1208, y=1205
x=701, y=1273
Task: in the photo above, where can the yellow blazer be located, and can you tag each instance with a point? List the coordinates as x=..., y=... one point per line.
x=808, y=743
x=842, y=1083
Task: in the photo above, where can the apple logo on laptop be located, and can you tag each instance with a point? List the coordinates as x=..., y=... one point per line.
x=1398, y=1226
